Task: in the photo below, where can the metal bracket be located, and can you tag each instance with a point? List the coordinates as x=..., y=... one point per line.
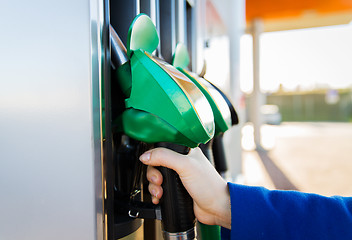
x=136, y=209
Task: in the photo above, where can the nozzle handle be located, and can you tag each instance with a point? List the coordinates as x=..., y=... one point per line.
x=176, y=204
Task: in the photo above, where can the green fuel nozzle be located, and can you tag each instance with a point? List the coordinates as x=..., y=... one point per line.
x=224, y=113
x=165, y=108
x=162, y=104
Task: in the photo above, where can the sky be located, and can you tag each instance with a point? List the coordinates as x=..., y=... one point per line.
x=298, y=59
x=305, y=59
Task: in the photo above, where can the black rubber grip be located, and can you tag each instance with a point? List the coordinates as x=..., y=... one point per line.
x=176, y=204
x=219, y=154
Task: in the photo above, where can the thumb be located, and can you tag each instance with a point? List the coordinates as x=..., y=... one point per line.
x=166, y=158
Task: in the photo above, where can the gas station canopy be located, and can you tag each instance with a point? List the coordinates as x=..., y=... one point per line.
x=280, y=15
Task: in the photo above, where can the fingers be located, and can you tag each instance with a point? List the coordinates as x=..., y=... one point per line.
x=155, y=180
x=156, y=191
x=164, y=157
x=184, y=165
x=154, y=176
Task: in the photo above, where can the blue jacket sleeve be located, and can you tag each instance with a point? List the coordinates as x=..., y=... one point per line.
x=259, y=213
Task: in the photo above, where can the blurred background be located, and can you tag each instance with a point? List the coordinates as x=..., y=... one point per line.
x=296, y=92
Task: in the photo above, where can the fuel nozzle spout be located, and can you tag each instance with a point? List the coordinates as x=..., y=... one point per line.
x=118, y=49
x=120, y=62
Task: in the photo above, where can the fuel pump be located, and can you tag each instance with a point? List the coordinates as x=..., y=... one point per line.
x=225, y=116
x=163, y=107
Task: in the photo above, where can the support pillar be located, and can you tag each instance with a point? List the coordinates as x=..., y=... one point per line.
x=257, y=98
x=236, y=25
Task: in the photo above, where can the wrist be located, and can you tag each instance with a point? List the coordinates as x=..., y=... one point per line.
x=223, y=213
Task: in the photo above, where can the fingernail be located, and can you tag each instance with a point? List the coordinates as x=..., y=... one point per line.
x=153, y=192
x=145, y=157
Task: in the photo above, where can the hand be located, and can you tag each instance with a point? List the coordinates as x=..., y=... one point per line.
x=208, y=189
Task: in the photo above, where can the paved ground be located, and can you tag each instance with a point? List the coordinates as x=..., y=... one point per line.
x=310, y=157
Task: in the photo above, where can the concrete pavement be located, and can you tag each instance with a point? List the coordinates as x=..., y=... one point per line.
x=311, y=157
